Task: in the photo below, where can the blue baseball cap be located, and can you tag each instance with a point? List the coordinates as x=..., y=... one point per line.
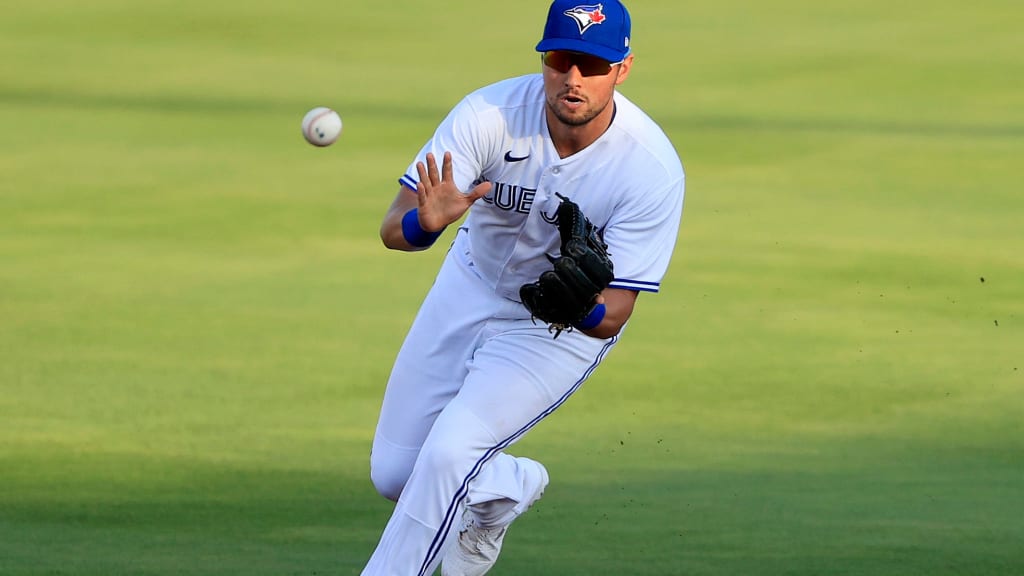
x=600, y=29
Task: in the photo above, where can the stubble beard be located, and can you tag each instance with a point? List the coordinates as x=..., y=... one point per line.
x=575, y=120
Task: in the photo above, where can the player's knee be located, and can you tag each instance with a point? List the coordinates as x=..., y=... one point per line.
x=389, y=488
x=389, y=477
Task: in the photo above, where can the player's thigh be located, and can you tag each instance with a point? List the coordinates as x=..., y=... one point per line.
x=432, y=363
x=516, y=379
x=519, y=378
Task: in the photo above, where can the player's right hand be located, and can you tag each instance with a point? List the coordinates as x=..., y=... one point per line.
x=440, y=200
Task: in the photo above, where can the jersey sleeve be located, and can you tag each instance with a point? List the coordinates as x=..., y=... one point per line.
x=642, y=236
x=469, y=138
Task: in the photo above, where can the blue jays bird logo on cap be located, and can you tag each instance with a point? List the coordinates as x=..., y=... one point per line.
x=600, y=30
x=586, y=15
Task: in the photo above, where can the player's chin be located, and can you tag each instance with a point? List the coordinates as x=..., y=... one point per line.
x=572, y=115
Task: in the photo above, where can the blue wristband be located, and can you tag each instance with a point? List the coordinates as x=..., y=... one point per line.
x=593, y=319
x=414, y=234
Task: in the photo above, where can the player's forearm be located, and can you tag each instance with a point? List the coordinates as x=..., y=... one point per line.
x=392, y=233
x=606, y=329
x=618, y=307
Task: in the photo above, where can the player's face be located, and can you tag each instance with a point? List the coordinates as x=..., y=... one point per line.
x=579, y=87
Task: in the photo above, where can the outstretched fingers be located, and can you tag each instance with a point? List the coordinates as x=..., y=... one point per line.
x=424, y=183
x=446, y=168
x=428, y=173
x=440, y=200
x=435, y=179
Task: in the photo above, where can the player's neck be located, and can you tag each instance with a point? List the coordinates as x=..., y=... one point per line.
x=569, y=139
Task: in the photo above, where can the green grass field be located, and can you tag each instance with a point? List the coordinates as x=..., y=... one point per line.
x=197, y=317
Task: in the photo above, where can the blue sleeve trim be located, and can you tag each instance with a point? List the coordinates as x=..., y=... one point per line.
x=636, y=285
x=408, y=182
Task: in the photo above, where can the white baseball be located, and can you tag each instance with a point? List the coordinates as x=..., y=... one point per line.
x=321, y=126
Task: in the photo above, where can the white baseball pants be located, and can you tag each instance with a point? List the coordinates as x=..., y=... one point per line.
x=472, y=377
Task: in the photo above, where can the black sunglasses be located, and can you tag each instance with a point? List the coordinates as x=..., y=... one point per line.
x=563, y=61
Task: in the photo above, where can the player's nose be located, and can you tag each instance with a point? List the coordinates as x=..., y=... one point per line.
x=573, y=77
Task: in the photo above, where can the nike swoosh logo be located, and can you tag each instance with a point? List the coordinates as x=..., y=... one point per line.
x=510, y=158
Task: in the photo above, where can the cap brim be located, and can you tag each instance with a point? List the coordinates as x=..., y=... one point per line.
x=571, y=45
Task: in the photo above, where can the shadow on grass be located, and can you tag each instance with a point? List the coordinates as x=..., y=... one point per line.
x=918, y=513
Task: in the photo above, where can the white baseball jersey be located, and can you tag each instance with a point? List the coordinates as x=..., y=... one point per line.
x=629, y=183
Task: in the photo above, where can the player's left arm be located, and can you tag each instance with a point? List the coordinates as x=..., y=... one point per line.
x=639, y=265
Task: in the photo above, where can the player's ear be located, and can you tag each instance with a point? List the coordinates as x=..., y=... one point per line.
x=623, y=70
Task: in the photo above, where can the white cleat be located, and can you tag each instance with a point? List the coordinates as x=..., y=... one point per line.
x=476, y=550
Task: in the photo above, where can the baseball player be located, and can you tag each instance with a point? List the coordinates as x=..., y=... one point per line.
x=574, y=198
